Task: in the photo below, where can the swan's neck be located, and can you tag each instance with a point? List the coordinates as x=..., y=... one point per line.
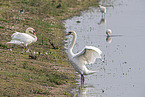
x=72, y=44
x=34, y=36
x=28, y=31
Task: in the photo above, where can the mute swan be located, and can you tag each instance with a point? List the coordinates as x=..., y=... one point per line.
x=24, y=38
x=102, y=9
x=87, y=56
x=108, y=32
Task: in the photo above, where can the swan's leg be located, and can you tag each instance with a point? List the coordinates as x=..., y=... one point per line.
x=82, y=84
x=25, y=48
x=82, y=78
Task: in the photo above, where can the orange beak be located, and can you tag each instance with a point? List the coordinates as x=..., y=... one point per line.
x=68, y=33
x=34, y=32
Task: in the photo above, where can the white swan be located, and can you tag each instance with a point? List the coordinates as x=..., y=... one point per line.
x=108, y=32
x=87, y=56
x=24, y=38
x=102, y=9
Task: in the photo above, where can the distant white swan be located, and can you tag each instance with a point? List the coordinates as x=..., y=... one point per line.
x=87, y=56
x=108, y=32
x=102, y=9
x=24, y=38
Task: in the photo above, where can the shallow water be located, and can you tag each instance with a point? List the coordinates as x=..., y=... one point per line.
x=123, y=70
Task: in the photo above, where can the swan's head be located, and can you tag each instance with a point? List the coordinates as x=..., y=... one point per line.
x=108, y=32
x=99, y=6
x=30, y=30
x=71, y=33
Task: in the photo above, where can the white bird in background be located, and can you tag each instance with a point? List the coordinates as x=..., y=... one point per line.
x=24, y=38
x=87, y=56
x=102, y=9
x=108, y=32
x=108, y=38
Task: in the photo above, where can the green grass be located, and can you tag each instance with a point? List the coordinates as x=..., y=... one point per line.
x=47, y=74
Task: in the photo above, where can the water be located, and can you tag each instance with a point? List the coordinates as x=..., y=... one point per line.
x=123, y=70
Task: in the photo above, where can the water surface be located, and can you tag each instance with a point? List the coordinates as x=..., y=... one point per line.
x=123, y=70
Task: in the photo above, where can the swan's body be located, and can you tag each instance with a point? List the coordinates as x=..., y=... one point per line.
x=24, y=38
x=102, y=9
x=87, y=56
x=108, y=32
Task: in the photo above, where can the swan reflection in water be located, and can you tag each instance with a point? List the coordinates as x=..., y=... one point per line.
x=109, y=36
x=87, y=56
x=82, y=90
x=87, y=90
x=108, y=33
x=108, y=39
x=102, y=21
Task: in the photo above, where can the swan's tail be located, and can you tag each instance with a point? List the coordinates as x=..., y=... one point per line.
x=91, y=72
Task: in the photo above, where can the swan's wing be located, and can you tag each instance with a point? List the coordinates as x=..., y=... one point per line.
x=89, y=54
x=22, y=37
x=16, y=42
x=14, y=34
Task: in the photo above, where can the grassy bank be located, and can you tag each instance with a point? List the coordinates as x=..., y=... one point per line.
x=45, y=69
